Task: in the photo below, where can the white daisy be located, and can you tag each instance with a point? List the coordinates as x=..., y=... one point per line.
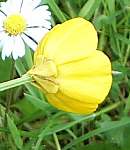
x=22, y=21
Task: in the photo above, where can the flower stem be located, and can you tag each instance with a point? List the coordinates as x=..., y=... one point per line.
x=16, y=82
x=56, y=141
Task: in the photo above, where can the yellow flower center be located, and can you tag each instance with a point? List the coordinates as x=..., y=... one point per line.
x=14, y=24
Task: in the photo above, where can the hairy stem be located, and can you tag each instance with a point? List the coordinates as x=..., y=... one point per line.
x=16, y=82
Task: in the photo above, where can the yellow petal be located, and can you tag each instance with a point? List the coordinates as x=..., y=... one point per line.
x=68, y=104
x=75, y=39
x=38, y=55
x=52, y=99
x=88, y=80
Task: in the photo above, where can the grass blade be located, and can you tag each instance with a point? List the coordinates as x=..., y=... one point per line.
x=14, y=132
x=110, y=126
x=56, y=10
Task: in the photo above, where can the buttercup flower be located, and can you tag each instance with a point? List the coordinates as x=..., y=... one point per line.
x=22, y=21
x=74, y=76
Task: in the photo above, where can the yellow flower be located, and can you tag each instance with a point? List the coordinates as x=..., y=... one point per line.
x=74, y=76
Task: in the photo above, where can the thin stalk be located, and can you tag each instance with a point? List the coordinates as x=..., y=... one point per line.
x=56, y=141
x=71, y=133
x=16, y=82
x=9, y=97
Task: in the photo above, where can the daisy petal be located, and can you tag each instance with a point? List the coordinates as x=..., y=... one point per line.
x=39, y=22
x=6, y=6
x=2, y=35
x=27, y=6
x=7, y=43
x=36, y=33
x=41, y=16
x=26, y=9
x=29, y=42
x=44, y=13
x=19, y=48
x=45, y=7
x=2, y=17
x=36, y=3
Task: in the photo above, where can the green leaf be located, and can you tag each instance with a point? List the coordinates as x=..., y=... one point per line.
x=28, y=61
x=14, y=132
x=38, y=103
x=126, y=143
x=41, y=136
x=122, y=38
x=127, y=106
x=101, y=146
x=56, y=10
x=25, y=106
x=89, y=8
x=70, y=8
x=5, y=69
x=3, y=0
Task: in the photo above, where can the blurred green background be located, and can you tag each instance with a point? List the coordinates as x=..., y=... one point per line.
x=28, y=122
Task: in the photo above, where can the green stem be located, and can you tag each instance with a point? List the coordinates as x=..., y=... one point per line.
x=16, y=82
x=57, y=141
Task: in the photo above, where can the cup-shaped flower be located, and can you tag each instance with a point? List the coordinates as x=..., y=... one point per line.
x=74, y=76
